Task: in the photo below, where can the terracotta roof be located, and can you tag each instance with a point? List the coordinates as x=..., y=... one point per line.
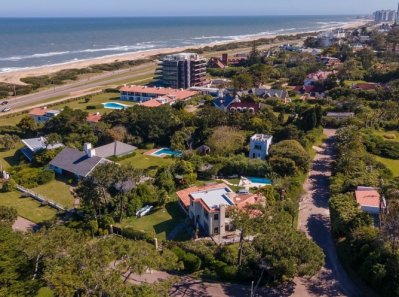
x=151, y=103
x=242, y=201
x=184, y=195
x=178, y=94
x=245, y=106
x=368, y=198
x=93, y=117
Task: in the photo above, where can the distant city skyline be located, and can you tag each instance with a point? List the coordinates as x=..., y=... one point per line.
x=92, y=8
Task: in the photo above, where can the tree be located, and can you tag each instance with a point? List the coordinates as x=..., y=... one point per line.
x=242, y=81
x=283, y=166
x=164, y=179
x=27, y=125
x=260, y=74
x=393, y=37
x=293, y=150
x=284, y=253
x=52, y=139
x=226, y=140
x=8, y=215
x=182, y=139
x=8, y=142
x=390, y=225
x=350, y=70
x=254, y=56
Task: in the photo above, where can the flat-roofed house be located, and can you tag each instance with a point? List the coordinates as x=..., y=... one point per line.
x=259, y=146
x=369, y=200
x=206, y=206
x=42, y=114
x=36, y=145
x=340, y=115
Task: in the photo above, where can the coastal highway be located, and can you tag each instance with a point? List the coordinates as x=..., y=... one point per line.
x=24, y=102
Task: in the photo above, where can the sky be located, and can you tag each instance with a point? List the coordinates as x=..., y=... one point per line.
x=92, y=8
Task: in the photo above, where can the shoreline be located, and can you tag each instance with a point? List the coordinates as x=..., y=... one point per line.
x=14, y=76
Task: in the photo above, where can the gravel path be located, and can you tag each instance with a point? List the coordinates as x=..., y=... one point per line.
x=314, y=220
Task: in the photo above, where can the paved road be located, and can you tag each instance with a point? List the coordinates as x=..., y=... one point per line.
x=76, y=87
x=314, y=220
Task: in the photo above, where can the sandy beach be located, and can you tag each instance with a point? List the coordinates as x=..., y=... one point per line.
x=13, y=77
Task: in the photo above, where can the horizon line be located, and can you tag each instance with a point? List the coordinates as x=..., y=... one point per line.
x=177, y=16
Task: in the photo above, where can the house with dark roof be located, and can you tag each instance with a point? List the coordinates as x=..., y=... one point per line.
x=77, y=163
x=223, y=102
x=265, y=93
x=115, y=149
x=36, y=145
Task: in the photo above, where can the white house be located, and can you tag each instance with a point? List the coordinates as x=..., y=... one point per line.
x=259, y=146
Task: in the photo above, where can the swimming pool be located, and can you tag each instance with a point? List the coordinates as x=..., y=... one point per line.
x=167, y=152
x=115, y=105
x=260, y=180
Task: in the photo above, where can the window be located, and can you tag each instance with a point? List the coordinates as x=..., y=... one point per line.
x=216, y=217
x=216, y=230
x=257, y=147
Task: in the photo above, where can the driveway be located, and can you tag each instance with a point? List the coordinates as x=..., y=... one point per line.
x=314, y=220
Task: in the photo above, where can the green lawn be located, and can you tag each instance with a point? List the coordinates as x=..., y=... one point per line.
x=141, y=161
x=27, y=207
x=388, y=135
x=393, y=165
x=160, y=222
x=349, y=83
x=10, y=158
x=58, y=191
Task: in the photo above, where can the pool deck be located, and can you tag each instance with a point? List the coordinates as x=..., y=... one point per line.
x=247, y=183
x=150, y=153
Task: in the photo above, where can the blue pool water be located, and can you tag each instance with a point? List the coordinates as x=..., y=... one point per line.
x=114, y=105
x=260, y=180
x=168, y=152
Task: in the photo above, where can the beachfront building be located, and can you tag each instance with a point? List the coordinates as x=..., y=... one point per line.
x=259, y=146
x=42, y=114
x=182, y=71
x=382, y=16
x=207, y=206
x=143, y=93
x=369, y=200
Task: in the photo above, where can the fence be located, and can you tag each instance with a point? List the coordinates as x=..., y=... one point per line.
x=41, y=199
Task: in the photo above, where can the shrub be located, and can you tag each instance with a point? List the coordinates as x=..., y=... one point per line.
x=31, y=177
x=191, y=262
x=131, y=233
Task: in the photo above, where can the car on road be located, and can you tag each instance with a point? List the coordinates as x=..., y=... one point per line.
x=6, y=109
x=4, y=103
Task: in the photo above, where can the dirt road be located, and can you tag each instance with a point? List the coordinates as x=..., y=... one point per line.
x=314, y=220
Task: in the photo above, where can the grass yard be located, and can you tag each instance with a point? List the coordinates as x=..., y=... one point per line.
x=160, y=222
x=393, y=165
x=27, y=207
x=141, y=161
x=349, y=83
x=58, y=191
x=388, y=135
x=11, y=157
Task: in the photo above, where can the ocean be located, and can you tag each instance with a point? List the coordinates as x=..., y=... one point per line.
x=35, y=42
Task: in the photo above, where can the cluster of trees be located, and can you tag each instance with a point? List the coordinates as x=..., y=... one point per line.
x=369, y=251
x=65, y=262
x=377, y=145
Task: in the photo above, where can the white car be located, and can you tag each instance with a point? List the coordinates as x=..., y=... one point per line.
x=6, y=109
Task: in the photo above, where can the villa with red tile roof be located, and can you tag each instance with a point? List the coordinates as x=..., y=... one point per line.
x=369, y=199
x=144, y=93
x=206, y=206
x=250, y=107
x=42, y=114
x=93, y=118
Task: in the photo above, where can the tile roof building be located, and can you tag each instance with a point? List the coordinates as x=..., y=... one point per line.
x=207, y=205
x=42, y=114
x=144, y=93
x=369, y=199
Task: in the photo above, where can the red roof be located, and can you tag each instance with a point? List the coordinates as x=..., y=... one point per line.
x=93, y=117
x=178, y=94
x=245, y=106
x=151, y=103
x=184, y=195
x=38, y=111
x=369, y=198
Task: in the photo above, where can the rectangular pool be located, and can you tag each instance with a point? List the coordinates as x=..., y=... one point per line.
x=167, y=152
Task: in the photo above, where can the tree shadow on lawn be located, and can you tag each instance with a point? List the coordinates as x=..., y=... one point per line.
x=178, y=216
x=14, y=160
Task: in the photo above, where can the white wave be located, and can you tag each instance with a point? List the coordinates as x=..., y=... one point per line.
x=43, y=55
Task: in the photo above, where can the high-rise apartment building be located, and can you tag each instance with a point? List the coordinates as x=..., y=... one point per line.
x=382, y=16
x=182, y=71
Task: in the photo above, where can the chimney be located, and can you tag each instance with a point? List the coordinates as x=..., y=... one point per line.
x=87, y=147
x=91, y=153
x=225, y=58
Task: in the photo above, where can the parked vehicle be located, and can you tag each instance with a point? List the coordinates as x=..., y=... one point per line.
x=143, y=211
x=4, y=102
x=6, y=109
